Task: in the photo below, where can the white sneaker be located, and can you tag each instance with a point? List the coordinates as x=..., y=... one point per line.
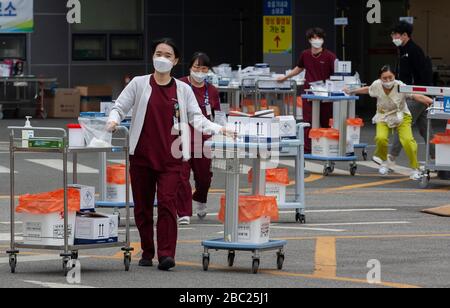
x=391, y=162
x=201, y=210
x=384, y=170
x=184, y=221
x=416, y=175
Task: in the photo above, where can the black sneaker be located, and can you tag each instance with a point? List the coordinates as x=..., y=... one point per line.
x=166, y=264
x=145, y=263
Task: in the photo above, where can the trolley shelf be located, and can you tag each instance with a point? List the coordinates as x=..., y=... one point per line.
x=73, y=247
x=220, y=244
x=439, y=116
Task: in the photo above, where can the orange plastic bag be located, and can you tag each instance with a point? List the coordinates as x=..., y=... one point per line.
x=441, y=139
x=289, y=101
x=115, y=174
x=329, y=133
x=277, y=176
x=252, y=208
x=48, y=203
x=351, y=122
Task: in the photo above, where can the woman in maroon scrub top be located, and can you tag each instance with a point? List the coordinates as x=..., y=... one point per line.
x=163, y=108
x=208, y=99
x=319, y=65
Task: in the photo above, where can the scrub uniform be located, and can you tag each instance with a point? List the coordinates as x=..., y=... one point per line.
x=209, y=101
x=318, y=68
x=155, y=170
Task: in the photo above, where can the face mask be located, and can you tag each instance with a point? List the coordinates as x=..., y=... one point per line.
x=389, y=85
x=397, y=42
x=317, y=43
x=162, y=65
x=199, y=77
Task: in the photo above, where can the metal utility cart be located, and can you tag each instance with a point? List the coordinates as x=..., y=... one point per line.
x=342, y=107
x=281, y=90
x=69, y=252
x=233, y=169
x=435, y=113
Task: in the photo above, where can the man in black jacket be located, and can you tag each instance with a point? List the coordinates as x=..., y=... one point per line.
x=413, y=68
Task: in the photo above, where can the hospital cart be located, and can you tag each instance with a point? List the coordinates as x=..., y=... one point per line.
x=342, y=107
x=282, y=92
x=435, y=113
x=233, y=169
x=69, y=252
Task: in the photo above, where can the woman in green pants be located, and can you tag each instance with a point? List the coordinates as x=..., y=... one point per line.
x=393, y=113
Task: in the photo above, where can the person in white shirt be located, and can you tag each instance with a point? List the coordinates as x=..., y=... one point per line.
x=393, y=114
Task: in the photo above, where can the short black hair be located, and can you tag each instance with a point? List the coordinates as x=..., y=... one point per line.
x=315, y=32
x=403, y=27
x=387, y=68
x=167, y=41
x=203, y=60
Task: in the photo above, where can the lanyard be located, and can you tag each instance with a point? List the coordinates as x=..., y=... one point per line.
x=206, y=102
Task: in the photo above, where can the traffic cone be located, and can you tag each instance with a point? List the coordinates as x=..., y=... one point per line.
x=447, y=131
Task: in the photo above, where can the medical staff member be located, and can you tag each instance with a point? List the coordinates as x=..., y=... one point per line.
x=208, y=99
x=393, y=114
x=163, y=108
x=319, y=65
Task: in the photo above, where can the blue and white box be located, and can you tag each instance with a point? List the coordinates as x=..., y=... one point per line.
x=93, y=228
x=447, y=104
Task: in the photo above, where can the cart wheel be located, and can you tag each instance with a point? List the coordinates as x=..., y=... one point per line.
x=327, y=171
x=353, y=169
x=425, y=181
x=205, y=263
x=74, y=255
x=127, y=261
x=13, y=263
x=280, y=261
x=255, y=266
x=300, y=218
x=66, y=267
x=365, y=155
x=231, y=257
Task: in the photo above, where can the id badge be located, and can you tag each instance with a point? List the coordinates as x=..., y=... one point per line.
x=208, y=110
x=176, y=123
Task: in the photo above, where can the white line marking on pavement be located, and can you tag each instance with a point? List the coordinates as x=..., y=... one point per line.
x=331, y=211
x=307, y=229
x=4, y=170
x=9, y=223
x=397, y=169
x=361, y=223
x=57, y=164
x=52, y=285
x=37, y=258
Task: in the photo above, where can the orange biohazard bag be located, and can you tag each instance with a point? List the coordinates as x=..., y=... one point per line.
x=48, y=203
x=252, y=208
x=329, y=133
x=276, y=176
x=115, y=174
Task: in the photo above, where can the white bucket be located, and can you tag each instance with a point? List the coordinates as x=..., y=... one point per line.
x=76, y=137
x=443, y=154
x=255, y=232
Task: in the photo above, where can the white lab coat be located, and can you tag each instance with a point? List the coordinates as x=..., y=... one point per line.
x=137, y=94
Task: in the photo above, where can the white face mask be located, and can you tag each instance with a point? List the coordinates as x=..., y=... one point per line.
x=317, y=43
x=199, y=77
x=397, y=42
x=389, y=85
x=162, y=65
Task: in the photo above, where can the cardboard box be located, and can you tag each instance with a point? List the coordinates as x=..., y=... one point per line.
x=90, y=104
x=47, y=230
x=95, y=91
x=255, y=232
x=62, y=103
x=92, y=228
x=87, y=197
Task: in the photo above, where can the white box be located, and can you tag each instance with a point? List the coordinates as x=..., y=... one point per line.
x=353, y=134
x=113, y=226
x=48, y=229
x=343, y=67
x=255, y=232
x=335, y=85
x=288, y=126
x=278, y=191
x=261, y=127
x=442, y=154
x=239, y=124
x=87, y=197
x=91, y=228
x=106, y=107
x=325, y=147
x=117, y=193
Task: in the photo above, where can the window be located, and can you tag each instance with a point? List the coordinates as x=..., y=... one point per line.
x=13, y=46
x=111, y=15
x=127, y=47
x=88, y=47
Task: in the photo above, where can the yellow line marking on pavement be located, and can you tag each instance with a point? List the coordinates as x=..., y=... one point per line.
x=359, y=186
x=325, y=257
